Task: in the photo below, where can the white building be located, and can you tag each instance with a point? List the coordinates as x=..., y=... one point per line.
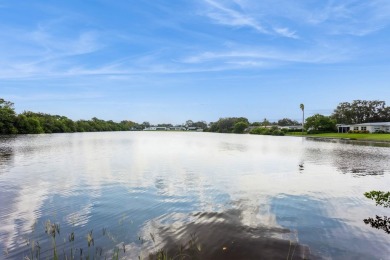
x=177, y=128
x=156, y=128
x=291, y=127
x=370, y=127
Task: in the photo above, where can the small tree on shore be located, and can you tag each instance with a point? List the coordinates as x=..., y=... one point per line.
x=239, y=127
x=320, y=123
x=302, y=107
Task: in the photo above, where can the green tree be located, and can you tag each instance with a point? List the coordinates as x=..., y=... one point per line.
x=126, y=125
x=189, y=123
x=265, y=122
x=361, y=111
x=7, y=117
x=34, y=123
x=240, y=127
x=200, y=124
x=287, y=122
x=83, y=126
x=28, y=125
x=266, y=131
x=320, y=123
x=302, y=107
x=213, y=127
x=226, y=125
x=381, y=198
x=145, y=125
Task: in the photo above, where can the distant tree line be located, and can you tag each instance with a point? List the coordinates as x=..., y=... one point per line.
x=229, y=125
x=273, y=130
x=37, y=123
x=359, y=111
x=199, y=124
x=240, y=124
x=356, y=112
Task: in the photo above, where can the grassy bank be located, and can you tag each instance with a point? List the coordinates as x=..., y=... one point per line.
x=371, y=137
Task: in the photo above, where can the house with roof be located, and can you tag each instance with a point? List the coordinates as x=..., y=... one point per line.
x=291, y=127
x=177, y=128
x=194, y=128
x=156, y=128
x=370, y=127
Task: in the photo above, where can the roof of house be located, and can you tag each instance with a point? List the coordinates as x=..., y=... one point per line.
x=367, y=124
x=376, y=123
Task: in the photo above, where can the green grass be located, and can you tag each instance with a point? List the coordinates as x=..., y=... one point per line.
x=369, y=137
x=373, y=137
x=296, y=133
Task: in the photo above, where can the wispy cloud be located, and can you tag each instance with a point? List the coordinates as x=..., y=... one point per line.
x=256, y=55
x=357, y=18
x=351, y=17
x=57, y=97
x=43, y=50
x=286, y=32
x=240, y=17
x=46, y=52
x=82, y=43
x=231, y=17
x=234, y=57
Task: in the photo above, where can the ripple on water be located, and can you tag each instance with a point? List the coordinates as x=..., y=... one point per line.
x=247, y=192
x=222, y=235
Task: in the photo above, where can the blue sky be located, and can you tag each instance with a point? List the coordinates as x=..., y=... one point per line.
x=170, y=61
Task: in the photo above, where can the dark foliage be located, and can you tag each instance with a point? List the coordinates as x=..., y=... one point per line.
x=361, y=111
x=35, y=123
x=226, y=125
x=267, y=131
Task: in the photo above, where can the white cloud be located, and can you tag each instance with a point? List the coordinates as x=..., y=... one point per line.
x=47, y=52
x=228, y=16
x=255, y=55
x=286, y=32
x=243, y=17
x=357, y=18
x=43, y=53
x=275, y=17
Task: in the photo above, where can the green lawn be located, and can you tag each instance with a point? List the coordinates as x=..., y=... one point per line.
x=374, y=137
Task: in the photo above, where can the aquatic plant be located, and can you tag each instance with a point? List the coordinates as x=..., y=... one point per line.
x=381, y=198
x=379, y=223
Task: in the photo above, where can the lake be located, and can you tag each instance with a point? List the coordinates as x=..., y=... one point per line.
x=230, y=196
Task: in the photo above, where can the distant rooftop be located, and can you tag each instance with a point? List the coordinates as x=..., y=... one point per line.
x=373, y=123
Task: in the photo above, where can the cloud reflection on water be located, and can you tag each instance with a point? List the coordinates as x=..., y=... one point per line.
x=222, y=235
x=191, y=172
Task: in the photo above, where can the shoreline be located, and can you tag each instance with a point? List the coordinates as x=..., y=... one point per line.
x=346, y=138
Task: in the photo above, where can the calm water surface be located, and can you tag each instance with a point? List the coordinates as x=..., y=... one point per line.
x=238, y=196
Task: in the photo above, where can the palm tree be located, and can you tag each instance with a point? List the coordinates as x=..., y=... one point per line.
x=302, y=106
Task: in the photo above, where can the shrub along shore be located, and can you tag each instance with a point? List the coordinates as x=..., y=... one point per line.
x=359, y=111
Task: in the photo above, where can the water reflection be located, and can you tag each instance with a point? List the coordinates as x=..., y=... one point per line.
x=6, y=152
x=379, y=223
x=301, y=166
x=91, y=180
x=360, y=163
x=225, y=146
x=221, y=235
x=381, y=199
x=351, y=142
x=350, y=157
